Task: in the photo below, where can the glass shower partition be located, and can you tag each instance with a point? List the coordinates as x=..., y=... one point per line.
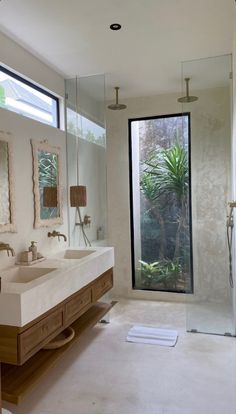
x=86, y=156
x=210, y=307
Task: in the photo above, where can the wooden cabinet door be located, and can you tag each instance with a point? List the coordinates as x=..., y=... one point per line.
x=77, y=305
x=35, y=337
x=102, y=285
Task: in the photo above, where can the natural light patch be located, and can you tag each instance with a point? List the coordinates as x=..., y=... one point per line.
x=20, y=97
x=161, y=207
x=84, y=128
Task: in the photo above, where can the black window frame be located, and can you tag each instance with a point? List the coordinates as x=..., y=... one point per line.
x=37, y=88
x=130, y=120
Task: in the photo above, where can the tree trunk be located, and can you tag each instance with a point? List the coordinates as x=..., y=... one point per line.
x=156, y=213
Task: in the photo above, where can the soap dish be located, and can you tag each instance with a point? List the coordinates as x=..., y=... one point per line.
x=62, y=339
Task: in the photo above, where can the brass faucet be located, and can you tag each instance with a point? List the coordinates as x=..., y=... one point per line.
x=7, y=247
x=55, y=233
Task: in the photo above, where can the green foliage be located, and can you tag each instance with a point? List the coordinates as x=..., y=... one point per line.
x=149, y=186
x=169, y=172
x=164, y=183
x=165, y=272
x=48, y=169
x=2, y=96
x=48, y=177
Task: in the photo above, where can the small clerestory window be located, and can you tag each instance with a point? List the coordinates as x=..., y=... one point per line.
x=23, y=97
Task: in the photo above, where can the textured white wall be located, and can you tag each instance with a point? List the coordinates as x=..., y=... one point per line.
x=210, y=162
x=233, y=158
x=23, y=129
x=23, y=62
x=91, y=159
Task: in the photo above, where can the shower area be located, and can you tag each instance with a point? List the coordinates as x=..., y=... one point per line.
x=86, y=160
x=204, y=120
x=206, y=90
x=182, y=198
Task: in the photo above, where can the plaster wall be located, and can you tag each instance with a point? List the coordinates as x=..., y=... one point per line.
x=88, y=160
x=23, y=129
x=210, y=143
x=20, y=60
x=233, y=158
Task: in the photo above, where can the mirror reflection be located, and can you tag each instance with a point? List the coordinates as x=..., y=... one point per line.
x=7, y=216
x=48, y=184
x=47, y=193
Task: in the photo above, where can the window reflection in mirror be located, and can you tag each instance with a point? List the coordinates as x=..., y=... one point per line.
x=7, y=212
x=47, y=187
x=5, y=216
x=48, y=184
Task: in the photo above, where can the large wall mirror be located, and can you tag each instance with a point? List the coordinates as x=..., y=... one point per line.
x=7, y=205
x=47, y=184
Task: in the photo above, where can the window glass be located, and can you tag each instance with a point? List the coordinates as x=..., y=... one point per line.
x=85, y=128
x=161, y=210
x=21, y=96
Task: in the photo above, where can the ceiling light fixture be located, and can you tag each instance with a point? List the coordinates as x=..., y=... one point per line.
x=115, y=26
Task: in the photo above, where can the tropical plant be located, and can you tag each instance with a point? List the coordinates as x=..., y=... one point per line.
x=48, y=177
x=170, y=169
x=148, y=271
x=149, y=188
x=164, y=183
x=165, y=271
x=48, y=169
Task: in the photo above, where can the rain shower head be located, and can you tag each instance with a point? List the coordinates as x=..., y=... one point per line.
x=187, y=98
x=117, y=106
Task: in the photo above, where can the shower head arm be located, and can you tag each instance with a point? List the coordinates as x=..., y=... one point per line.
x=187, y=86
x=117, y=91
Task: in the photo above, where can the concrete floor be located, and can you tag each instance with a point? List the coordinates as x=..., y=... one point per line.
x=103, y=374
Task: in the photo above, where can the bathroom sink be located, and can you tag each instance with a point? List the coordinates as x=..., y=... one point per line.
x=76, y=254
x=24, y=274
x=28, y=292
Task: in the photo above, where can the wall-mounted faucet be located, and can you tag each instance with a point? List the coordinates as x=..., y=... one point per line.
x=7, y=247
x=55, y=233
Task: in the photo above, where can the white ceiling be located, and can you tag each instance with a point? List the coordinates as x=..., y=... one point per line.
x=143, y=58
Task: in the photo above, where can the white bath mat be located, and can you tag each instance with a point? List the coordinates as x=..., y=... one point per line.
x=152, y=335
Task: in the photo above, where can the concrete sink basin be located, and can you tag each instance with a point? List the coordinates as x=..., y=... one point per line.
x=29, y=291
x=76, y=254
x=24, y=274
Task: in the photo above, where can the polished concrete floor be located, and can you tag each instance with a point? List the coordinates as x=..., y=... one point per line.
x=103, y=374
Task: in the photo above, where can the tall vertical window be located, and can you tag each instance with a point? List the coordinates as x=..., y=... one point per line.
x=21, y=96
x=160, y=203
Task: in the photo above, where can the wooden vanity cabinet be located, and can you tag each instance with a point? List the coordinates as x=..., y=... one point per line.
x=77, y=305
x=102, y=285
x=18, y=344
x=35, y=337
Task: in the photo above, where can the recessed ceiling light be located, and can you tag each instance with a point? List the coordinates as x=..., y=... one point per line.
x=115, y=26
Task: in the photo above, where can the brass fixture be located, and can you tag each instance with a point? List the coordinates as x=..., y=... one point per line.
x=117, y=106
x=55, y=233
x=187, y=98
x=87, y=220
x=7, y=247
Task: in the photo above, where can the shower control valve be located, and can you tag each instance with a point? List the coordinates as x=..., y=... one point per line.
x=87, y=220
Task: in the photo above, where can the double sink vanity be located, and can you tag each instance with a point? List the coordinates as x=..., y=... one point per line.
x=39, y=302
